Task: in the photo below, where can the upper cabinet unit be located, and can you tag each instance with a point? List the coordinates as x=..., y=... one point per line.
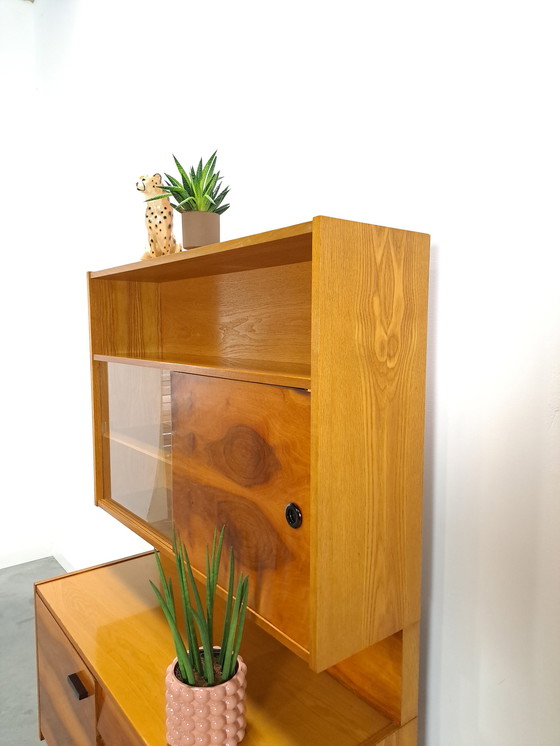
x=275, y=385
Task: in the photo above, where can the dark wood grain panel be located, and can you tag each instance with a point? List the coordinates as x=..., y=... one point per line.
x=64, y=720
x=240, y=454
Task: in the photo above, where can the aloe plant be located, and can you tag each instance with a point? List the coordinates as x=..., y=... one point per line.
x=199, y=190
x=197, y=662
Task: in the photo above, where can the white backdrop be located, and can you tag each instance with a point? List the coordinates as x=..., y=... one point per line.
x=438, y=117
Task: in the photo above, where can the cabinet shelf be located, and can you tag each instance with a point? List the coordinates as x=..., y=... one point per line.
x=137, y=440
x=257, y=371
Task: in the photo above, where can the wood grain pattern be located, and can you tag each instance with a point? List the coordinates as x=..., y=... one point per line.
x=124, y=318
x=111, y=616
x=262, y=315
x=368, y=374
x=63, y=719
x=240, y=454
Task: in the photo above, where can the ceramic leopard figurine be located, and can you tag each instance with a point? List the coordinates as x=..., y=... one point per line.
x=159, y=219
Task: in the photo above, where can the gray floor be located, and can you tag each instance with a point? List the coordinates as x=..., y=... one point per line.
x=18, y=682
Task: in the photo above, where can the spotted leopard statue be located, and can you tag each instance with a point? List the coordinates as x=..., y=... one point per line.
x=159, y=219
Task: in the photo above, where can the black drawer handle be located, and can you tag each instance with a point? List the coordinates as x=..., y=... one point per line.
x=77, y=686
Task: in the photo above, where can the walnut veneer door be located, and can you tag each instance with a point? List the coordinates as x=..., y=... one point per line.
x=240, y=455
x=64, y=718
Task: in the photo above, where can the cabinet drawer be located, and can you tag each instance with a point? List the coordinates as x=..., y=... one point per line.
x=241, y=453
x=64, y=719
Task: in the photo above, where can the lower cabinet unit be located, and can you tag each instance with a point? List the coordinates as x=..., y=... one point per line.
x=104, y=625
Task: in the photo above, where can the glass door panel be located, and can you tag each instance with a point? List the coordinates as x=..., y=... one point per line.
x=137, y=442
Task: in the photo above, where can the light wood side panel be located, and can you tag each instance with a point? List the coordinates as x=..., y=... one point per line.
x=258, y=315
x=124, y=318
x=368, y=380
x=240, y=455
x=64, y=720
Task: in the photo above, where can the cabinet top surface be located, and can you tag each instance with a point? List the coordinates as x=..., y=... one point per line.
x=289, y=245
x=283, y=246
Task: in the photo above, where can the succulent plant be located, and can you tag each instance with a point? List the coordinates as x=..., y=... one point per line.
x=199, y=663
x=199, y=190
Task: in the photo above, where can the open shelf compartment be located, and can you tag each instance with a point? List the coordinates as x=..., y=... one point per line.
x=240, y=309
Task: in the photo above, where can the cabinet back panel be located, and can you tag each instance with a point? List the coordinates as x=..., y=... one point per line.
x=240, y=454
x=260, y=314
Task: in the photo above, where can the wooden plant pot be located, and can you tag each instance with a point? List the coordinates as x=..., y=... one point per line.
x=209, y=715
x=200, y=228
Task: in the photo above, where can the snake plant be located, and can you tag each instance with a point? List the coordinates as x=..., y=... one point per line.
x=199, y=663
x=199, y=190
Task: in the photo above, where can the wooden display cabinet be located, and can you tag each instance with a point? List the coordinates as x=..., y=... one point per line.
x=282, y=369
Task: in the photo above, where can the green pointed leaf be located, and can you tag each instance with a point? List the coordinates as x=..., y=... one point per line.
x=173, y=181
x=208, y=169
x=182, y=657
x=159, y=196
x=199, y=171
x=229, y=602
x=182, y=173
x=241, y=621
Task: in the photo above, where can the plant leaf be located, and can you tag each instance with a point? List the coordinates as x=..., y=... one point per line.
x=229, y=601
x=227, y=669
x=159, y=196
x=241, y=621
x=182, y=656
x=179, y=550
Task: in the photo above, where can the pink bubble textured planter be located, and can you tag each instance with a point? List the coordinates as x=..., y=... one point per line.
x=205, y=715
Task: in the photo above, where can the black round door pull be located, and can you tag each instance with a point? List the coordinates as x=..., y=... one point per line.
x=293, y=515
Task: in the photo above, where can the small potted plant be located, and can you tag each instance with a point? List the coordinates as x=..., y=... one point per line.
x=205, y=684
x=198, y=195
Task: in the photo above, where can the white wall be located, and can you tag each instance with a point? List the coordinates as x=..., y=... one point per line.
x=432, y=116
